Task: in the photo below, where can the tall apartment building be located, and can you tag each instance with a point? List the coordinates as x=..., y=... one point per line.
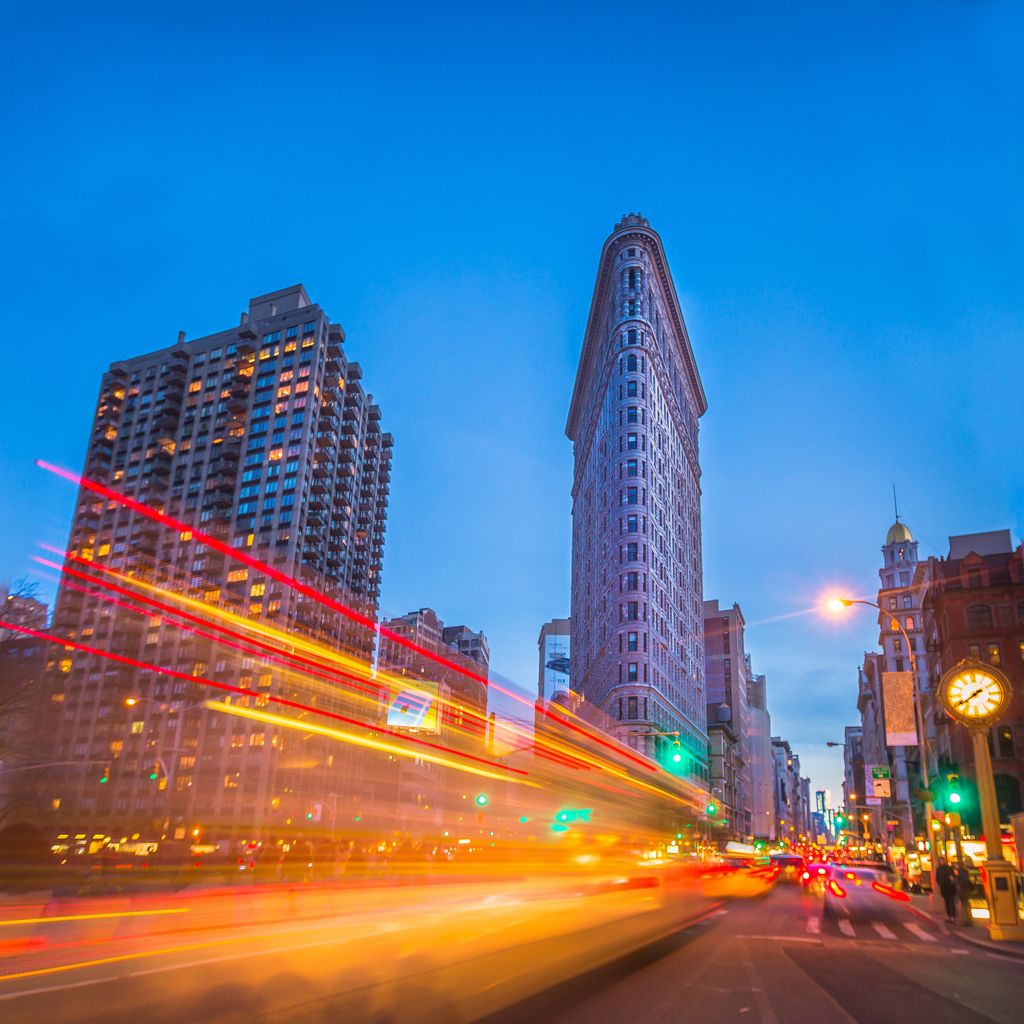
x=637, y=641
x=262, y=436
x=725, y=674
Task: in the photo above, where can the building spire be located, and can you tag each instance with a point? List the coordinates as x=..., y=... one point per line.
x=895, y=507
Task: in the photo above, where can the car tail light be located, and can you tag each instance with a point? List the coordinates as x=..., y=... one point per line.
x=893, y=894
x=835, y=888
x=806, y=875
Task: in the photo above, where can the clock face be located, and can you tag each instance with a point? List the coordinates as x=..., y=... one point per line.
x=974, y=695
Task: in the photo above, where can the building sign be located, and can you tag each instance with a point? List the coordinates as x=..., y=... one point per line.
x=556, y=664
x=898, y=703
x=415, y=708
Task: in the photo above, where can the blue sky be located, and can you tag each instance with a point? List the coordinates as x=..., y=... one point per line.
x=838, y=192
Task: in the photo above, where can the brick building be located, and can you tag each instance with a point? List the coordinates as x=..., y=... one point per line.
x=973, y=606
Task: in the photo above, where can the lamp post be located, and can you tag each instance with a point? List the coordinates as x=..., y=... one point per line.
x=976, y=695
x=838, y=604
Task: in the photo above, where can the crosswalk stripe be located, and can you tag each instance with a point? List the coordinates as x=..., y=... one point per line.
x=814, y=925
x=886, y=933
x=919, y=932
x=846, y=928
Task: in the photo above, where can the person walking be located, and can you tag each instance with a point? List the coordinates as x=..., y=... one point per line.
x=964, y=889
x=945, y=878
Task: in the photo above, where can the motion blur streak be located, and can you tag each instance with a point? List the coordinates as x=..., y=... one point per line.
x=568, y=756
x=247, y=692
x=92, y=917
x=307, y=591
x=302, y=725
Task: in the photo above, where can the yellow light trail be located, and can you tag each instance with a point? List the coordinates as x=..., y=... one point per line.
x=289, y=643
x=301, y=725
x=122, y=957
x=91, y=917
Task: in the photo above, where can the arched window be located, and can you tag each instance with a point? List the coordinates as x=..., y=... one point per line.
x=979, y=616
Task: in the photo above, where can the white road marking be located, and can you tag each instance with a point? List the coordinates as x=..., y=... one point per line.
x=886, y=933
x=814, y=925
x=846, y=928
x=919, y=932
x=959, y=952
x=782, y=938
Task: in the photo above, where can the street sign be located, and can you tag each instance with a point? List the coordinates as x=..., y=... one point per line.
x=881, y=788
x=880, y=771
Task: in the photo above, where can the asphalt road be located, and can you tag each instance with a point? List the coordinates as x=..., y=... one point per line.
x=793, y=958
x=502, y=955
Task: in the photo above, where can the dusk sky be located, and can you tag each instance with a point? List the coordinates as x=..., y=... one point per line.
x=839, y=194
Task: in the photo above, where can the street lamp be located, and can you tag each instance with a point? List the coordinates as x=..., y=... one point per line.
x=839, y=604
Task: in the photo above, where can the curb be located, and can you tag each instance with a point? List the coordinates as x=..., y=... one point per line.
x=991, y=947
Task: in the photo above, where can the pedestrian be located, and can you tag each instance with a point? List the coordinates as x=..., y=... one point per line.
x=945, y=878
x=964, y=889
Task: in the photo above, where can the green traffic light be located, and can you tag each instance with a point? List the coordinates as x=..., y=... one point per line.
x=712, y=808
x=482, y=800
x=954, y=798
x=104, y=778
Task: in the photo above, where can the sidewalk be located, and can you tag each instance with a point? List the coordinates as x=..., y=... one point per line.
x=976, y=935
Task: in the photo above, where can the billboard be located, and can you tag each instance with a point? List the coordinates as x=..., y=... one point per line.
x=898, y=703
x=415, y=707
x=556, y=664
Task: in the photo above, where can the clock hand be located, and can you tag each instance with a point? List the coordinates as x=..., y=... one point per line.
x=967, y=700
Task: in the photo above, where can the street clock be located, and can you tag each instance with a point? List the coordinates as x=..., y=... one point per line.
x=974, y=694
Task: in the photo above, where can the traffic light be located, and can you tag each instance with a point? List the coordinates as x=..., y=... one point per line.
x=953, y=794
x=679, y=835
x=840, y=820
x=712, y=809
x=677, y=752
x=482, y=800
x=155, y=773
x=105, y=777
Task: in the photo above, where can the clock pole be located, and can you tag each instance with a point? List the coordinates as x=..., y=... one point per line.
x=1000, y=876
x=988, y=683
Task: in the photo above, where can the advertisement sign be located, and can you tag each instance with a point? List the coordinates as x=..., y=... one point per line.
x=415, y=708
x=898, y=704
x=556, y=664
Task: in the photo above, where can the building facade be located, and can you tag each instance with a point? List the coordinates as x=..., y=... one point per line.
x=761, y=765
x=445, y=702
x=853, y=767
x=973, y=608
x=262, y=436
x=636, y=635
x=725, y=673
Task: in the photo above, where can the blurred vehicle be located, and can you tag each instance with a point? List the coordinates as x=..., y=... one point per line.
x=737, y=878
x=790, y=866
x=814, y=877
x=864, y=884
